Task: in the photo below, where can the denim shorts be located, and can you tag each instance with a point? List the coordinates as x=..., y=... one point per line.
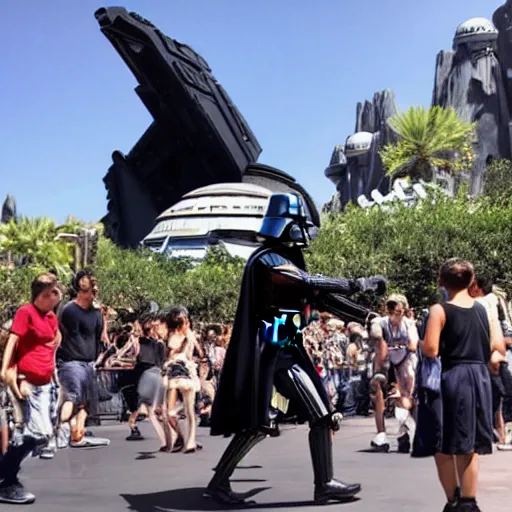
x=4, y=404
x=36, y=415
x=78, y=384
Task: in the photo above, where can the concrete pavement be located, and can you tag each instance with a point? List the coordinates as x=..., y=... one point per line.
x=131, y=476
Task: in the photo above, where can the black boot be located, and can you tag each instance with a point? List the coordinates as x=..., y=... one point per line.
x=453, y=504
x=219, y=488
x=467, y=505
x=326, y=486
x=404, y=443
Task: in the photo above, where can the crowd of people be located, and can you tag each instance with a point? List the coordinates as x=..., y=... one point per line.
x=61, y=361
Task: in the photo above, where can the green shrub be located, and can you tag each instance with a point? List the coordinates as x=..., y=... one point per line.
x=209, y=289
x=498, y=181
x=15, y=285
x=408, y=245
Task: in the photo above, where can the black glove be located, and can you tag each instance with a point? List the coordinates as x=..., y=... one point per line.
x=377, y=284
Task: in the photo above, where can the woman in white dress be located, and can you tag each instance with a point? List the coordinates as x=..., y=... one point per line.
x=181, y=377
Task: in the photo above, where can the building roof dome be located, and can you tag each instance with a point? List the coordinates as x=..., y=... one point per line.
x=475, y=30
x=358, y=144
x=230, y=189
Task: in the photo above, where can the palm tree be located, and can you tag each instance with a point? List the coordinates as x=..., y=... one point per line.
x=33, y=242
x=429, y=139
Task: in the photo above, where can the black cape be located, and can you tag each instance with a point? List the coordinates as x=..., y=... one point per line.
x=243, y=396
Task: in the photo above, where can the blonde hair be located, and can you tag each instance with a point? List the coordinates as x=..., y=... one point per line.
x=395, y=299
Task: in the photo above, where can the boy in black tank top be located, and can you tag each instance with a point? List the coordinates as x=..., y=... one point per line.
x=461, y=334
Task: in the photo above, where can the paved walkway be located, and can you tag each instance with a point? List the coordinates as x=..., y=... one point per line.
x=130, y=476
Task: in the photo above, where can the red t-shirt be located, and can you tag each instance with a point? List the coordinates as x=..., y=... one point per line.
x=35, y=353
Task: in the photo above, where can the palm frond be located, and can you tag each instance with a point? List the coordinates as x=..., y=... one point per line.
x=427, y=138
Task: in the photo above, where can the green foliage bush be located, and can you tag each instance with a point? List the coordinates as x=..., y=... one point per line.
x=408, y=245
x=15, y=285
x=498, y=181
x=209, y=289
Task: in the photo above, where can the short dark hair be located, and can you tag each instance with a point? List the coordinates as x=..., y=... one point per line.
x=83, y=274
x=177, y=317
x=456, y=274
x=485, y=284
x=41, y=283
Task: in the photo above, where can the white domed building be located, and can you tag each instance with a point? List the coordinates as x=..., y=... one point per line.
x=475, y=30
x=358, y=144
x=229, y=214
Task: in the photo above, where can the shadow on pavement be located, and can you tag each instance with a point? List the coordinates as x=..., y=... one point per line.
x=192, y=499
x=146, y=455
x=244, y=467
x=249, y=480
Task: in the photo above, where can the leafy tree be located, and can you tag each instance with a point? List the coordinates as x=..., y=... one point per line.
x=33, y=242
x=408, y=245
x=498, y=181
x=15, y=285
x=211, y=289
x=127, y=277
x=428, y=139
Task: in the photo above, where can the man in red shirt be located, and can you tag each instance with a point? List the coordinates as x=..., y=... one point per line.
x=27, y=368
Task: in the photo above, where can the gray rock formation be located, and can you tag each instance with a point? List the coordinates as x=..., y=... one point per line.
x=356, y=168
x=8, y=209
x=502, y=20
x=469, y=79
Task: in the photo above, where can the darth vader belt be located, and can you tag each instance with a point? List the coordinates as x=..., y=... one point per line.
x=282, y=329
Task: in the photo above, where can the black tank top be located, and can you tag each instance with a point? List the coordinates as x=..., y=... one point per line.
x=152, y=353
x=465, y=337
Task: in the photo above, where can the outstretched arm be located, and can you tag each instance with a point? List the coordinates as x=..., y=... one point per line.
x=285, y=272
x=340, y=306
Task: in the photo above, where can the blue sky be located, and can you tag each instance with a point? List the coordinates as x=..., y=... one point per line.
x=294, y=68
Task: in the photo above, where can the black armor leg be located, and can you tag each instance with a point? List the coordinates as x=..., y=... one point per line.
x=301, y=388
x=219, y=487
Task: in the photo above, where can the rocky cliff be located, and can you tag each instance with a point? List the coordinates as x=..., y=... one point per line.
x=474, y=77
x=8, y=209
x=356, y=168
x=469, y=78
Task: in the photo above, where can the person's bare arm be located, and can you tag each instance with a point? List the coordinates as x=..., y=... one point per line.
x=352, y=352
x=435, y=324
x=9, y=350
x=414, y=337
x=381, y=347
x=496, y=334
x=198, y=347
x=126, y=349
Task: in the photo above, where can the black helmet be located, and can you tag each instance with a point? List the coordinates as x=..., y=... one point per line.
x=286, y=220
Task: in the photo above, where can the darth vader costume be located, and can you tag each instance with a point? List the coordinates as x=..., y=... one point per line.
x=266, y=350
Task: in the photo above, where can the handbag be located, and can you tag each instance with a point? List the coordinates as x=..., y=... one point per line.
x=430, y=374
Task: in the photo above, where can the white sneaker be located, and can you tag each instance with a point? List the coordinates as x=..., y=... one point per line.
x=89, y=442
x=48, y=452
x=380, y=443
x=504, y=447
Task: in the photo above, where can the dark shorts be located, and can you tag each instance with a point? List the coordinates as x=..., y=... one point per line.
x=78, y=384
x=467, y=423
x=497, y=395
